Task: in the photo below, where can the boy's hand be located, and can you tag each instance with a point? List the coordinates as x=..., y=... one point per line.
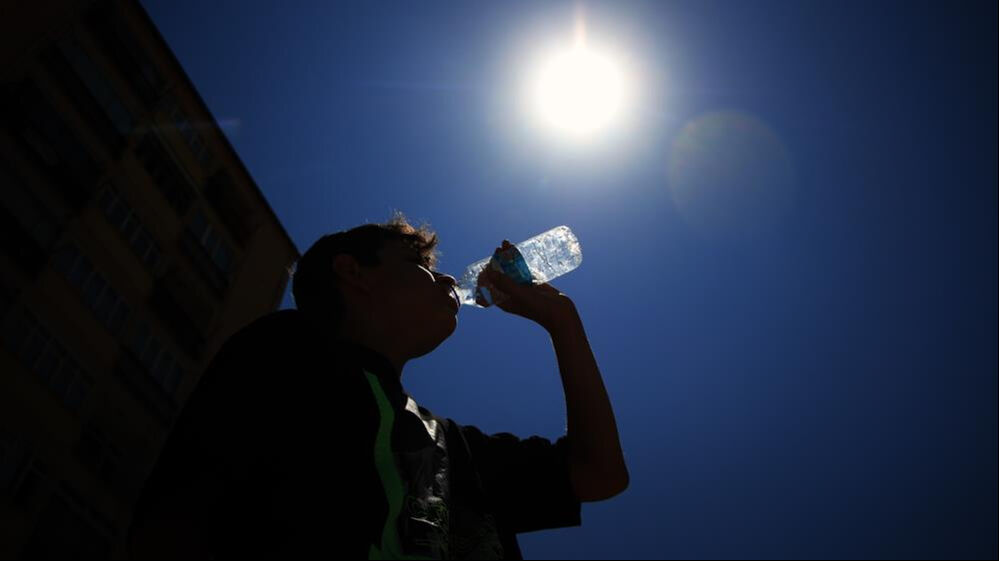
x=540, y=302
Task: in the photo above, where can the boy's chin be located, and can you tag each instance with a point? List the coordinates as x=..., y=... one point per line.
x=435, y=342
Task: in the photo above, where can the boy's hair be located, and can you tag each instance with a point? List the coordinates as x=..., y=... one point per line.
x=315, y=286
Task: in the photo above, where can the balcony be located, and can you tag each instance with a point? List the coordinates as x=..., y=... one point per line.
x=136, y=378
x=231, y=205
x=19, y=244
x=118, y=43
x=113, y=465
x=216, y=278
x=83, y=98
x=48, y=143
x=167, y=175
x=179, y=303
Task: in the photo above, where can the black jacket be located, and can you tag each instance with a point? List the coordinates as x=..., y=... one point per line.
x=308, y=448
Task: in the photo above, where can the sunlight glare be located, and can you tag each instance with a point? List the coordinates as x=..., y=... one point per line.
x=579, y=91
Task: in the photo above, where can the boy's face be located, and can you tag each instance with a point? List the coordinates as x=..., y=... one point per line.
x=413, y=307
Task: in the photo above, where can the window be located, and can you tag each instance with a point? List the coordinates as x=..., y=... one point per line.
x=49, y=362
x=81, y=270
x=211, y=253
x=13, y=456
x=96, y=451
x=107, y=306
x=161, y=364
x=32, y=483
x=90, y=92
x=118, y=316
x=123, y=218
x=32, y=215
x=97, y=84
x=140, y=338
x=151, y=353
x=22, y=477
x=104, y=306
x=181, y=304
x=212, y=242
x=44, y=356
x=77, y=392
x=170, y=179
x=94, y=291
x=141, y=244
x=167, y=373
x=53, y=146
x=120, y=46
x=13, y=338
x=35, y=341
x=60, y=380
x=128, y=226
x=27, y=229
x=6, y=300
x=66, y=529
x=194, y=140
x=223, y=257
x=232, y=206
x=198, y=225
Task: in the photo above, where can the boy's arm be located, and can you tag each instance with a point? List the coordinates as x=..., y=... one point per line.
x=597, y=467
x=596, y=462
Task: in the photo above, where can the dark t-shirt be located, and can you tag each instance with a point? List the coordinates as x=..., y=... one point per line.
x=299, y=446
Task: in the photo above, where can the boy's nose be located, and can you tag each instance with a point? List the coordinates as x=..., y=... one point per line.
x=447, y=279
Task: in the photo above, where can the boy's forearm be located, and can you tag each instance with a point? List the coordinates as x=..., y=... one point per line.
x=595, y=453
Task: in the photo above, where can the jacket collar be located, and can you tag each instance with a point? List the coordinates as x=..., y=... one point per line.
x=371, y=361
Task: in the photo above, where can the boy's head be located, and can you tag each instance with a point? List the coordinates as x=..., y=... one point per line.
x=376, y=285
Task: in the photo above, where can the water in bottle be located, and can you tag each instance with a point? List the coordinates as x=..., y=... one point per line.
x=534, y=261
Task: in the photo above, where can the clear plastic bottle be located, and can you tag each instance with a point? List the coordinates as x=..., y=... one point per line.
x=534, y=261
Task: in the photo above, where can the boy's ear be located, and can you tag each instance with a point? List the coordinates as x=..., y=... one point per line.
x=345, y=266
x=348, y=270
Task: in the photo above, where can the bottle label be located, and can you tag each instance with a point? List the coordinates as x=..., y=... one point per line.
x=510, y=262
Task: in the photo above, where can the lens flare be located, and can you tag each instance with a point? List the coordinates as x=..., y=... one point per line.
x=731, y=176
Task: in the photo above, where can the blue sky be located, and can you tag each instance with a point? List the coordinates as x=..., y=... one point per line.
x=789, y=250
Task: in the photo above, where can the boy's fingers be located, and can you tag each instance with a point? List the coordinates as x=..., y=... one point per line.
x=502, y=281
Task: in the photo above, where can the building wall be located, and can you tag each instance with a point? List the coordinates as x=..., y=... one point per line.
x=133, y=242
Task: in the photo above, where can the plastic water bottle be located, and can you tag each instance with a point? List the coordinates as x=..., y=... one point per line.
x=534, y=261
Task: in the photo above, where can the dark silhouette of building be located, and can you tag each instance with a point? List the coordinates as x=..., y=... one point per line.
x=134, y=241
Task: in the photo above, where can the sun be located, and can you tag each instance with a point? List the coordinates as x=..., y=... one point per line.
x=578, y=92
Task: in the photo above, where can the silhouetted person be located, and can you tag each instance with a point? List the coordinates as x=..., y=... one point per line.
x=301, y=441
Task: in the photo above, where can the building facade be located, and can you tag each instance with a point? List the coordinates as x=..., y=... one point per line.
x=134, y=241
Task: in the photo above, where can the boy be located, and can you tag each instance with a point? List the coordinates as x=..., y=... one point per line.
x=300, y=440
